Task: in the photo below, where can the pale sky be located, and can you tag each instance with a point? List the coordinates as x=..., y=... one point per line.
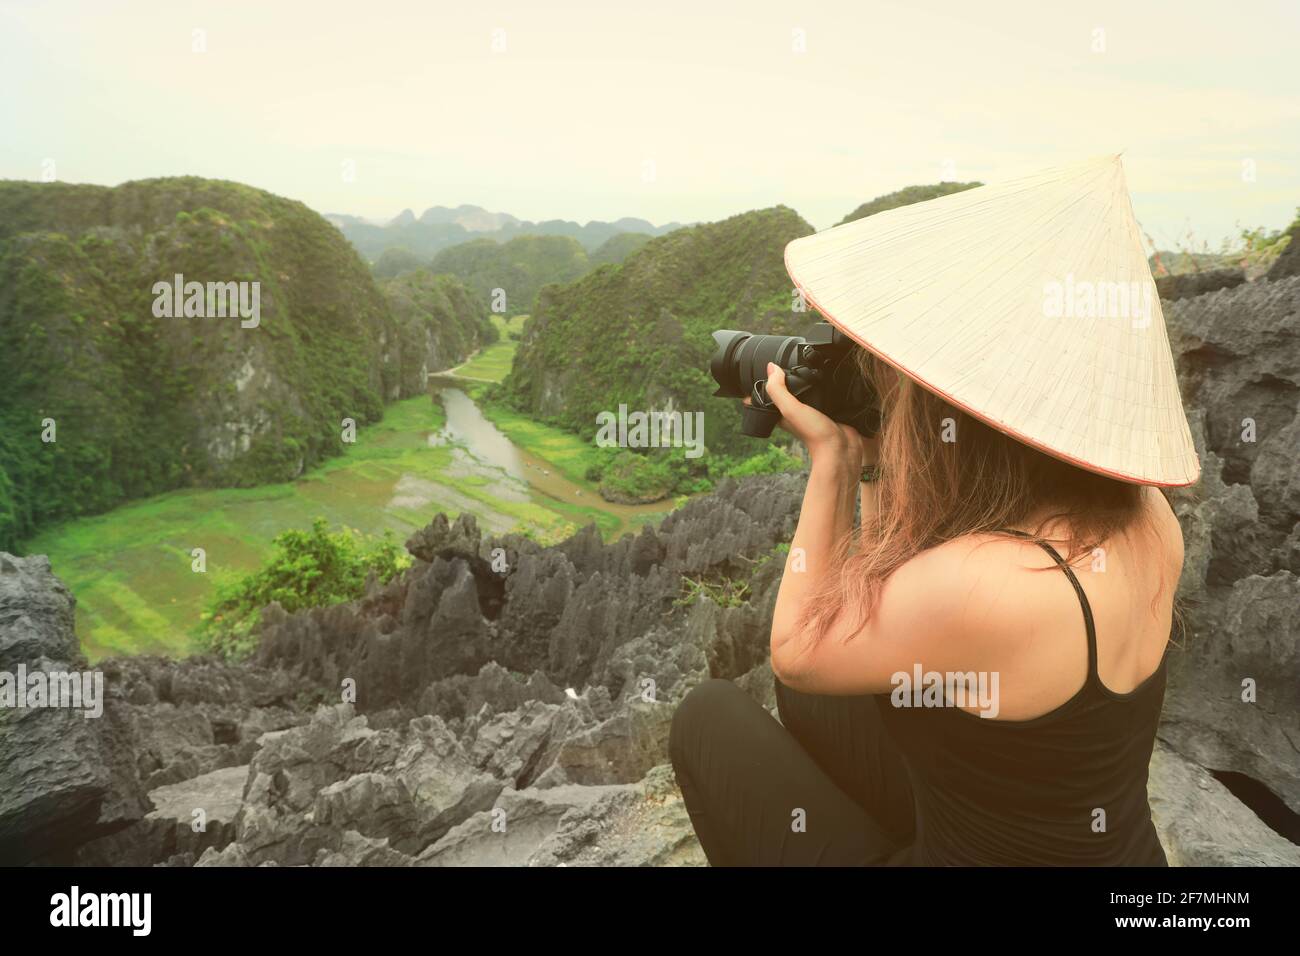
x=688, y=111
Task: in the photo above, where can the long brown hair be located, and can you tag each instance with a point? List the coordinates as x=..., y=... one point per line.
x=946, y=474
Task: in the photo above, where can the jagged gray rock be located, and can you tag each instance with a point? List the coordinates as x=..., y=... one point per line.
x=1187, y=285
x=1201, y=823
x=645, y=824
x=1233, y=695
x=36, y=613
x=173, y=832
x=512, y=831
x=67, y=779
x=1238, y=355
x=637, y=824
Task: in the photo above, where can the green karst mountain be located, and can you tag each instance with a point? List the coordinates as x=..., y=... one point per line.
x=639, y=333
x=140, y=404
x=519, y=267
x=440, y=322
x=905, y=197
x=617, y=248
x=396, y=261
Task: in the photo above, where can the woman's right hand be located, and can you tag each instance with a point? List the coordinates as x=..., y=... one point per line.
x=822, y=436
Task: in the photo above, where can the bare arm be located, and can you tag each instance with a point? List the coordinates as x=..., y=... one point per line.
x=825, y=517
x=922, y=605
x=838, y=454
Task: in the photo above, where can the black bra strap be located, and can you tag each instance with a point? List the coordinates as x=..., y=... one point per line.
x=1078, y=589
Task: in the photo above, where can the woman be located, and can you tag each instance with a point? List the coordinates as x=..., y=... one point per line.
x=975, y=676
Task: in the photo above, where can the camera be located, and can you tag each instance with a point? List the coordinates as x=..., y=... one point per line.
x=820, y=371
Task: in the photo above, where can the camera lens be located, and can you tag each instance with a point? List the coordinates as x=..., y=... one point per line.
x=741, y=358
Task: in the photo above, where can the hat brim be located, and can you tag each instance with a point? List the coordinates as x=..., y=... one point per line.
x=1000, y=426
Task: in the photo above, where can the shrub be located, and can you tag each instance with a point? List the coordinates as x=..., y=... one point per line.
x=307, y=569
x=772, y=460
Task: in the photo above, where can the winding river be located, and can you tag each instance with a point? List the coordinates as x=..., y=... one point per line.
x=481, y=447
x=133, y=569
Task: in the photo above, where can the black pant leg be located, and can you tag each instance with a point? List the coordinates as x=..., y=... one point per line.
x=849, y=741
x=748, y=785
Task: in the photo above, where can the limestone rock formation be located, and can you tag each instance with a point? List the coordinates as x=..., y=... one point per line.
x=1234, y=690
x=1187, y=285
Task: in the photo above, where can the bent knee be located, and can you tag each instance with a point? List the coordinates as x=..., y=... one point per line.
x=706, y=705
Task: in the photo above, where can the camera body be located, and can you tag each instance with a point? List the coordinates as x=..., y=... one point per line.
x=819, y=371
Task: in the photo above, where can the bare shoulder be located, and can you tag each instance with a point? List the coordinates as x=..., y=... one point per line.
x=973, y=600
x=974, y=563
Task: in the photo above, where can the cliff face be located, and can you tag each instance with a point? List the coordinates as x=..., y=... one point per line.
x=1235, y=687
x=142, y=402
x=509, y=703
x=440, y=323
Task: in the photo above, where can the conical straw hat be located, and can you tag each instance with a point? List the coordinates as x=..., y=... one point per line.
x=1029, y=304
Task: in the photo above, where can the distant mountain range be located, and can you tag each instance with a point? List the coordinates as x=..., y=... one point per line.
x=508, y=274
x=440, y=227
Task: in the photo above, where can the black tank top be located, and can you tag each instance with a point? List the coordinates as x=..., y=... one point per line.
x=1068, y=788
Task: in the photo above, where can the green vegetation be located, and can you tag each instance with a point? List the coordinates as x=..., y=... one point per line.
x=905, y=197
x=724, y=593
x=1254, y=250
x=230, y=439
x=620, y=474
x=1257, y=249
x=492, y=363
x=628, y=476
x=422, y=239
x=138, y=405
x=395, y=262
x=617, y=248
x=307, y=569
x=1286, y=258
x=132, y=568
x=440, y=322
x=640, y=333
x=519, y=267
x=728, y=590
